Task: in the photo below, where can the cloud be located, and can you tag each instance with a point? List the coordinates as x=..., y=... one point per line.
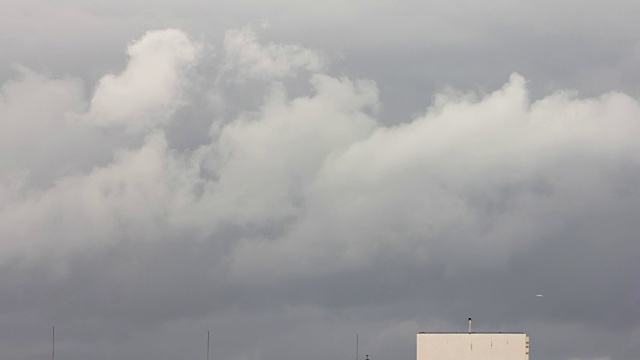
x=251, y=59
x=87, y=211
x=36, y=19
x=307, y=207
x=33, y=119
x=470, y=182
x=150, y=89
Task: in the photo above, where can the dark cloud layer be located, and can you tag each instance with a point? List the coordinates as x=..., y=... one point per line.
x=286, y=190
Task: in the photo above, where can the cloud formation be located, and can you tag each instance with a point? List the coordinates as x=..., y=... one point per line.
x=252, y=59
x=26, y=129
x=150, y=89
x=309, y=208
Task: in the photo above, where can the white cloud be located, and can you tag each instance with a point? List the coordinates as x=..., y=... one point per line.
x=470, y=181
x=309, y=192
x=264, y=162
x=81, y=213
x=251, y=59
x=33, y=117
x=151, y=87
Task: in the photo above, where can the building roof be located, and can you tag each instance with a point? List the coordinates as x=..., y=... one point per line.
x=466, y=332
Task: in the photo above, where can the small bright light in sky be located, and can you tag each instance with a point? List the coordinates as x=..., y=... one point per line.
x=538, y=295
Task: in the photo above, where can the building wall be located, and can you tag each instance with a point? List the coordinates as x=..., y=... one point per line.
x=472, y=346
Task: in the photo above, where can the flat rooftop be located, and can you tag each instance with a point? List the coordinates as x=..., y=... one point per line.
x=473, y=332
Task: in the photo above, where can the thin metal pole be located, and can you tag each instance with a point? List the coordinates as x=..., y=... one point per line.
x=207, y=345
x=357, y=347
x=53, y=344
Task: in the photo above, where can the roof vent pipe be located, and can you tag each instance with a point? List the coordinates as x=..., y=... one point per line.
x=469, y=325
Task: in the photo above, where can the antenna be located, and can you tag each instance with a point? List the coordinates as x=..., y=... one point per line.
x=357, y=347
x=53, y=344
x=469, y=325
x=207, y=345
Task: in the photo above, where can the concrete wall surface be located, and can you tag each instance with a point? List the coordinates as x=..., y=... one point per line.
x=472, y=346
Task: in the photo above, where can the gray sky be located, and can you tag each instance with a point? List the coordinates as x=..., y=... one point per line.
x=288, y=174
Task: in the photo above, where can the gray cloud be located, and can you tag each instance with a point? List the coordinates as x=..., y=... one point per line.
x=255, y=189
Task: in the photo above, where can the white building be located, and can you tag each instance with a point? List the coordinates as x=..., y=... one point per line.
x=472, y=346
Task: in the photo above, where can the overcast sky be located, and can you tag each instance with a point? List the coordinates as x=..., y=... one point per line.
x=290, y=174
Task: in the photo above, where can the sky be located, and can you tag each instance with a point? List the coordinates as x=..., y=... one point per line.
x=290, y=175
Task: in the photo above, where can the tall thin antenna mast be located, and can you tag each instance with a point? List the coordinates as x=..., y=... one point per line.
x=357, y=347
x=53, y=344
x=207, y=345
